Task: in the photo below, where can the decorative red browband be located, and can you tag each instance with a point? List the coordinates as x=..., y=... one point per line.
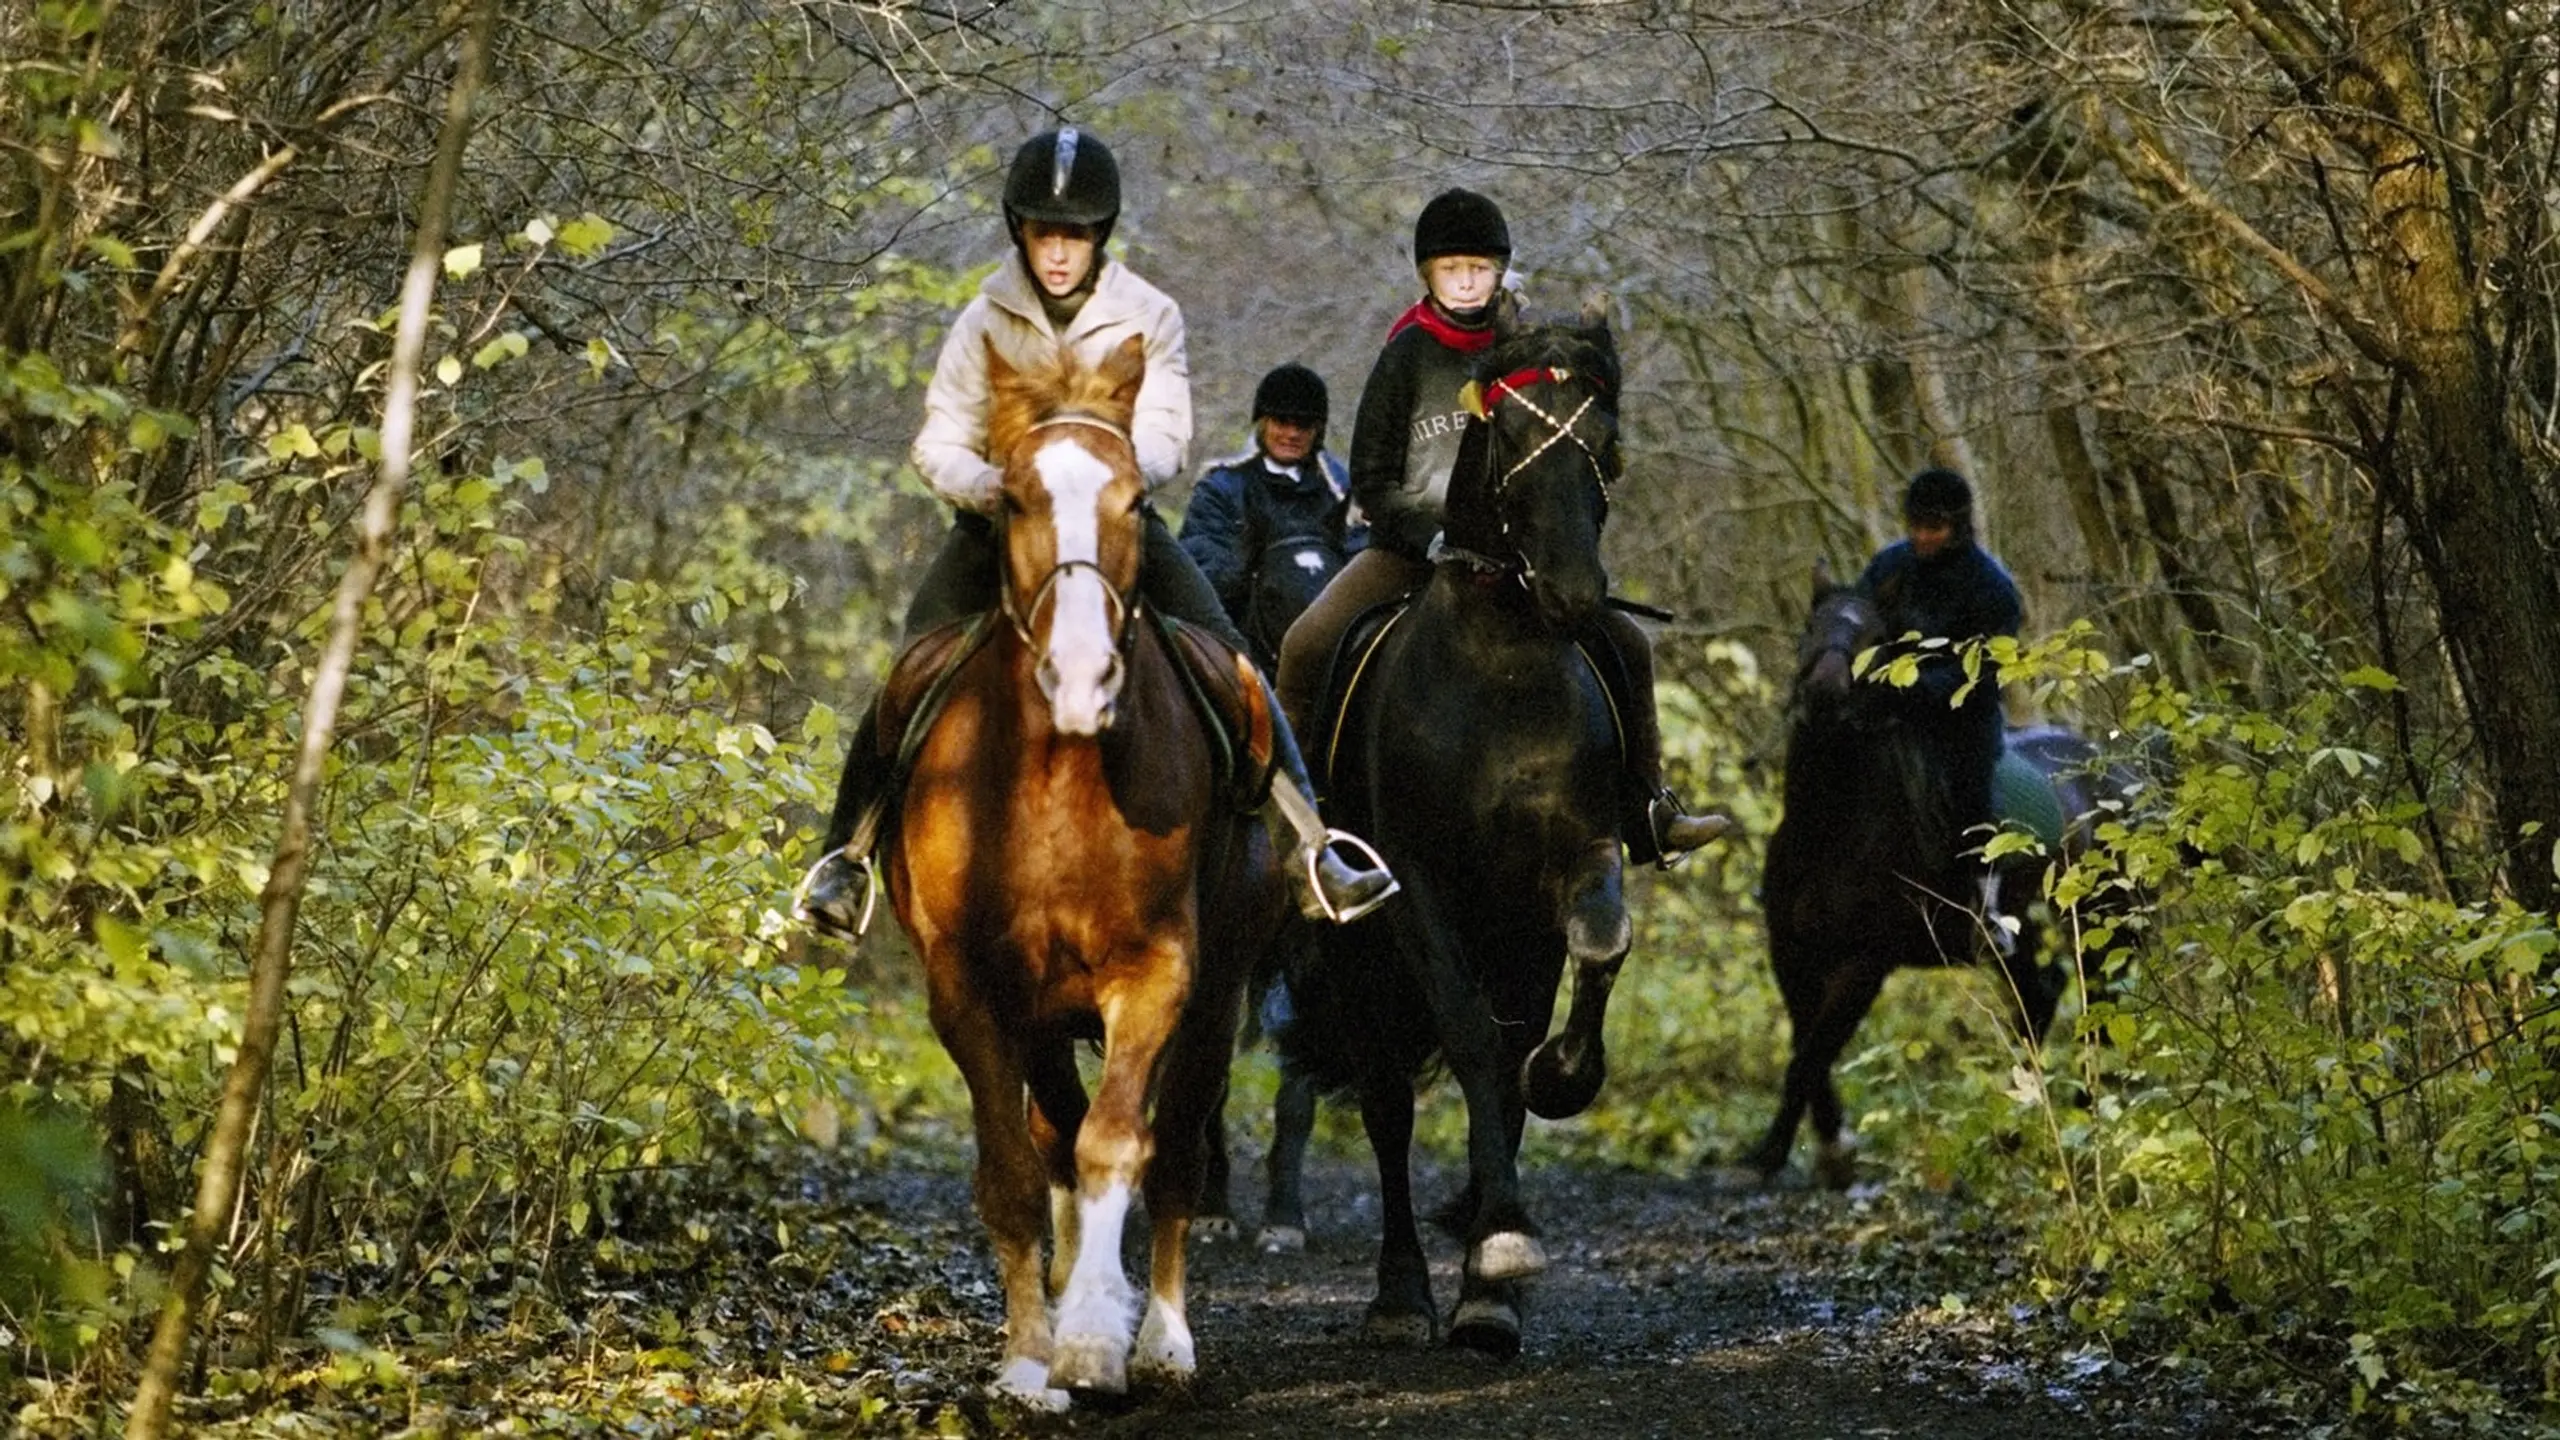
x=1518, y=379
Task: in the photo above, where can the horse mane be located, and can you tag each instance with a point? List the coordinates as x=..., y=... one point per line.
x=1056, y=384
x=1583, y=344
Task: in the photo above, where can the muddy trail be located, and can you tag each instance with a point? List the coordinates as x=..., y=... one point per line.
x=1672, y=1309
x=785, y=1291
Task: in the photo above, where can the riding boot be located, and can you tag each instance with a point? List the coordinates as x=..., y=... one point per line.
x=837, y=894
x=1657, y=827
x=1329, y=887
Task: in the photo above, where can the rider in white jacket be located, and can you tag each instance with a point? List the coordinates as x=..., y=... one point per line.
x=1060, y=199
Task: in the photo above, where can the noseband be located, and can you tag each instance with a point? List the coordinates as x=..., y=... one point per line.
x=1512, y=387
x=1116, y=603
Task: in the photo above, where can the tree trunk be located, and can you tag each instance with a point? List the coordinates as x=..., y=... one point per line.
x=2472, y=482
x=218, y=1183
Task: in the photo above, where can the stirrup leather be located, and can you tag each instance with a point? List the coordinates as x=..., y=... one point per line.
x=870, y=895
x=1315, y=877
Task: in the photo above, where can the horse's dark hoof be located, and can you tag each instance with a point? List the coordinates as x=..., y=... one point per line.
x=1835, y=1165
x=1281, y=1240
x=1486, y=1326
x=1556, y=1089
x=1213, y=1229
x=1388, y=1329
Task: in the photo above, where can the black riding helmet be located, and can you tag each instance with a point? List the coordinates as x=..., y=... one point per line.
x=1292, y=392
x=1065, y=177
x=1461, y=222
x=1937, y=494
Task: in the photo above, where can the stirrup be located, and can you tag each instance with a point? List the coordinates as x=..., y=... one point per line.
x=1315, y=876
x=1665, y=803
x=870, y=897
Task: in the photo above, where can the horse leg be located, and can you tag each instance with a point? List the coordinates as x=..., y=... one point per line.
x=1799, y=984
x=1057, y=1114
x=1562, y=1076
x=1097, y=1311
x=2035, y=986
x=1402, y=1316
x=1850, y=991
x=1007, y=1184
x=1213, y=1218
x=1293, y=1122
x=1487, y=1319
x=1502, y=1244
x=1189, y=1095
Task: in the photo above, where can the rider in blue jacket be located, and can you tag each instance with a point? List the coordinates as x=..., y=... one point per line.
x=1272, y=525
x=1942, y=585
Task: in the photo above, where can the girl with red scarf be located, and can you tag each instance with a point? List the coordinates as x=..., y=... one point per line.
x=1404, y=445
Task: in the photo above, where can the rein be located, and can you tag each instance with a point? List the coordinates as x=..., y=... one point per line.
x=1119, y=607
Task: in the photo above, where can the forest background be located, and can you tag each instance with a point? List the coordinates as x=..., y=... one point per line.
x=2242, y=316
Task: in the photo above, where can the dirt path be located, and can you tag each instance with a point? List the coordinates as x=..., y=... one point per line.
x=1669, y=1311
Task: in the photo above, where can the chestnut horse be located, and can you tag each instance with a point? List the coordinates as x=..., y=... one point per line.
x=1071, y=869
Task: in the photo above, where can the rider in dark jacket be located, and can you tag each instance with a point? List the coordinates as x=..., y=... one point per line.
x=1404, y=445
x=1943, y=585
x=1271, y=526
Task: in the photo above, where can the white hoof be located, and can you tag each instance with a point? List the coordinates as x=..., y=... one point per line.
x=1165, y=1354
x=1507, y=1255
x=1096, y=1364
x=1281, y=1240
x=1213, y=1229
x=1025, y=1382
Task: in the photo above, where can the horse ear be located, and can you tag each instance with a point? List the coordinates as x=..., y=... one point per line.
x=1595, y=310
x=1000, y=371
x=1125, y=369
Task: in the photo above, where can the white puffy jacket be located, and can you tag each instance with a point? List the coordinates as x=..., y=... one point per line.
x=951, y=449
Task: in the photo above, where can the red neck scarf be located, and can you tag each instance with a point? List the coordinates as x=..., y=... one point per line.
x=1464, y=339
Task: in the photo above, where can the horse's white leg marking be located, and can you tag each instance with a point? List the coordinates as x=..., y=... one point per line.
x=1026, y=1381
x=1082, y=654
x=1095, y=1315
x=1507, y=1255
x=1165, y=1351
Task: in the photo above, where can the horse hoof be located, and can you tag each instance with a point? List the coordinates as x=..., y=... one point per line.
x=1025, y=1382
x=1507, y=1255
x=1398, y=1329
x=1213, y=1229
x=1089, y=1364
x=1165, y=1356
x=1281, y=1240
x=1554, y=1091
x=1835, y=1166
x=1488, y=1327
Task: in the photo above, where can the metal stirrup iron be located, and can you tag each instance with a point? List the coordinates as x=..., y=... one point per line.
x=1315, y=877
x=870, y=895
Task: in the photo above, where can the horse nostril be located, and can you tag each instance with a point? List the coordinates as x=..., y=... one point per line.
x=1047, y=674
x=1111, y=677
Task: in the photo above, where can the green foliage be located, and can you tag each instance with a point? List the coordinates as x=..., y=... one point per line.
x=2309, y=1117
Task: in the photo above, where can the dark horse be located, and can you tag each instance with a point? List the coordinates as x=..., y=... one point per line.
x=1479, y=752
x=1867, y=871
x=1072, y=870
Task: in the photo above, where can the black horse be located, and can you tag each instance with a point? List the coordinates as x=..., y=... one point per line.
x=1478, y=751
x=1867, y=872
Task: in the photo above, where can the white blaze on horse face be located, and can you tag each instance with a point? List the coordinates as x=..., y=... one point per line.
x=1082, y=664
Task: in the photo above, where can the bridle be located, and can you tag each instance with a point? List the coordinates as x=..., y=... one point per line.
x=1513, y=387
x=1116, y=603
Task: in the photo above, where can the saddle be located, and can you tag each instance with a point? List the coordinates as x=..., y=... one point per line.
x=1220, y=681
x=1369, y=630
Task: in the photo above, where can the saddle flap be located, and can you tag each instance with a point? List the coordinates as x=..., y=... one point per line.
x=1350, y=662
x=918, y=678
x=1229, y=692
